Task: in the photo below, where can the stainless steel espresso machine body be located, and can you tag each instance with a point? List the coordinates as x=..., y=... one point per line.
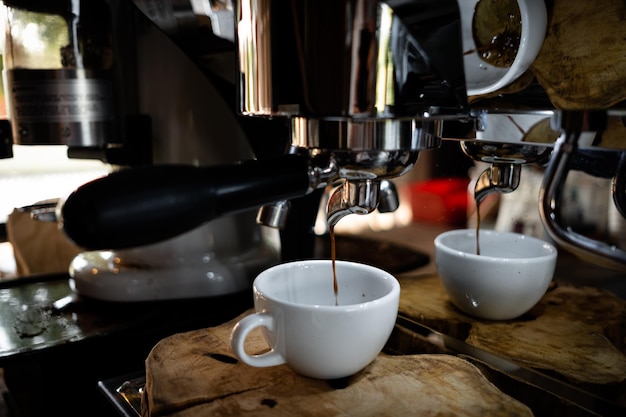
x=364, y=86
x=114, y=86
x=359, y=112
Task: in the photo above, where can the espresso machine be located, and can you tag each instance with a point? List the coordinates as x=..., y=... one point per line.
x=179, y=207
x=315, y=113
x=359, y=112
x=225, y=120
x=353, y=131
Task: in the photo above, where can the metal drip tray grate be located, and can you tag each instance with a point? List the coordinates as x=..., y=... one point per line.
x=124, y=393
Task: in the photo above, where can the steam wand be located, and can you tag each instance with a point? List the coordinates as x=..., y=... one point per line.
x=572, y=123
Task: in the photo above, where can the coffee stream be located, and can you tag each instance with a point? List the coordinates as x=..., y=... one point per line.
x=333, y=256
x=477, y=227
x=333, y=251
x=497, y=31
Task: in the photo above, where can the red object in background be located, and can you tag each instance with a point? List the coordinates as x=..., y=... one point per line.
x=442, y=200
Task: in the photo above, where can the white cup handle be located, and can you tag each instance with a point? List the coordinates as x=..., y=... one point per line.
x=240, y=333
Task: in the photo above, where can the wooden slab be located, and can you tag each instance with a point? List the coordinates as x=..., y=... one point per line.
x=581, y=64
x=195, y=374
x=577, y=332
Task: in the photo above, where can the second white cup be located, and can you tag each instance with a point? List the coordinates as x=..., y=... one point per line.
x=310, y=330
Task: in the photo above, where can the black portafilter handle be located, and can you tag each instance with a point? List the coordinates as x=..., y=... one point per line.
x=140, y=206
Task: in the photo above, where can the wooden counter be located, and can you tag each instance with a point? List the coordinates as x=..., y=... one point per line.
x=195, y=374
x=576, y=334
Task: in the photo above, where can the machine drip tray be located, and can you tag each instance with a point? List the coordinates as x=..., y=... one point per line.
x=48, y=350
x=124, y=393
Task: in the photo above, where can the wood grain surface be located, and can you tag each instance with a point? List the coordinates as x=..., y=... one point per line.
x=582, y=63
x=195, y=374
x=577, y=332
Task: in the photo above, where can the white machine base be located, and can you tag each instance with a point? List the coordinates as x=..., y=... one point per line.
x=105, y=276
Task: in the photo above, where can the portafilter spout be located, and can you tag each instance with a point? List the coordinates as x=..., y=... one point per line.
x=506, y=159
x=361, y=197
x=358, y=197
x=500, y=178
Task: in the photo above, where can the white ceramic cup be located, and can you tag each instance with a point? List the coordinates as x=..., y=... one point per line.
x=296, y=308
x=507, y=279
x=482, y=77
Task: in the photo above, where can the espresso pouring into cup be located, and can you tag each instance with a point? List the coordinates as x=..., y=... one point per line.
x=506, y=280
x=305, y=329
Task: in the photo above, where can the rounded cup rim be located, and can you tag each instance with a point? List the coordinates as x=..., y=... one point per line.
x=550, y=254
x=393, y=293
